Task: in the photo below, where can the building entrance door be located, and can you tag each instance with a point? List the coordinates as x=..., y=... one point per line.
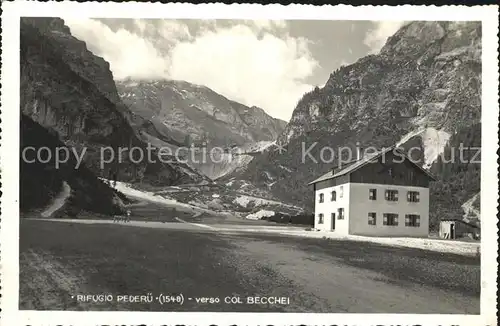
x=452, y=231
x=333, y=221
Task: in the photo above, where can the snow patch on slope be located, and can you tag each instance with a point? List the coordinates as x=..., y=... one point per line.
x=245, y=200
x=237, y=158
x=223, y=164
x=469, y=209
x=128, y=190
x=433, y=141
x=259, y=146
x=259, y=215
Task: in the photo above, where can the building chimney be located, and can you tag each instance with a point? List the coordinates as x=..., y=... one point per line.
x=360, y=153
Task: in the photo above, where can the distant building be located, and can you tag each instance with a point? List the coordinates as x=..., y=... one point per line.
x=455, y=229
x=382, y=194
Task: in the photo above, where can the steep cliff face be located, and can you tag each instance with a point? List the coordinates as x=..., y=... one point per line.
x=182, y=112
x=67, y=89
x=422, y=89
x=69, y=99
x=265, y=127
x=427, y=75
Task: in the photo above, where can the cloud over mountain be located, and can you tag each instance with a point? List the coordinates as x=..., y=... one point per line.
x=253, y=62
x=376, y=37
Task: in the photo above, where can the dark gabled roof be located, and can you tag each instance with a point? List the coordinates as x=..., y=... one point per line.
x=354, y=165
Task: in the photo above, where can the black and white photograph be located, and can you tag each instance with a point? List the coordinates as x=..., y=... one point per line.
x=241, y=165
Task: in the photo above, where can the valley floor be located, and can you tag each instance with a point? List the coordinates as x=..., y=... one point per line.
x=214, y=257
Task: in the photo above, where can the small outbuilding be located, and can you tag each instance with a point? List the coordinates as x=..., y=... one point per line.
x=455, y=229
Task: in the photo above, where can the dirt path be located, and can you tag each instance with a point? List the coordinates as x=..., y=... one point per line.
x=229, y=226
x=59, y=260
x=190, y=223
x=59, y=201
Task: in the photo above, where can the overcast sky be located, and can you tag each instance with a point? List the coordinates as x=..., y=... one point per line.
x=269, y=64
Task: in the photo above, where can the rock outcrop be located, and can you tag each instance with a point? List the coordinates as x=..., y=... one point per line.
x=427, y=74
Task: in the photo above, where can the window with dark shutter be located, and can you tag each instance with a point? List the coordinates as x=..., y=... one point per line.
x=412, y=220
x=372, y=218
x=321, y=198
x=334, y=196
x=413, y=196
x=391, y=195
x=373, y=194
x=390, y=219
x=341, y=214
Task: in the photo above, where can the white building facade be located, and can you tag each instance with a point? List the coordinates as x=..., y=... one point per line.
x=375, y=197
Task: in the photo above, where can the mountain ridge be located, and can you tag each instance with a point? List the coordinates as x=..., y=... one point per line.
x=183, y=109
x=427, y=76
x=176, y=114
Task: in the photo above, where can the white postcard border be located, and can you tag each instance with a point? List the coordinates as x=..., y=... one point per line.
x=9, y=232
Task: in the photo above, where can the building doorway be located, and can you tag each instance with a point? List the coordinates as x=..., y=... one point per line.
x=452, y=231
x=333, y=222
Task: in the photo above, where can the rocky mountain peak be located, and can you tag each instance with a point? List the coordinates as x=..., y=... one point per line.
x=48, y=25
x=181, y=109
x=427, y=74
x=424, y=41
